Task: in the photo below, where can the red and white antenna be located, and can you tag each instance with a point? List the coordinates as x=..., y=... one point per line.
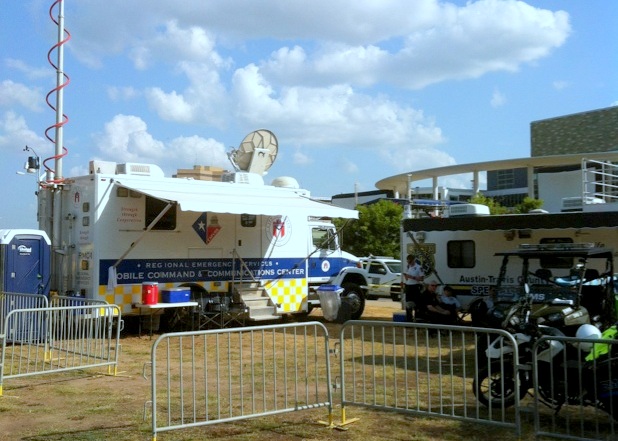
x=62, y=80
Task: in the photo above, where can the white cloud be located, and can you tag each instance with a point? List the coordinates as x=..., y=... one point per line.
x=410, y=44
x=333, y=115
x=301, y=158
x=122, y=93
x=174, y=43
x=498, y=99
x=29, y=71
x=15, y=133
x=348, y=166
x=126, y=139
x=310, y=90
x=314, y=82
x=170, y=106
x=199, y=151
x=12, y=94
x=559, y=85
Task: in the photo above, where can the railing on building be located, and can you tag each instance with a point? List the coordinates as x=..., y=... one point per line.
x=600, y=181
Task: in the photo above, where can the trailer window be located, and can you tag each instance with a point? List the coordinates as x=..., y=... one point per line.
x=153, y=208
x=461, y=254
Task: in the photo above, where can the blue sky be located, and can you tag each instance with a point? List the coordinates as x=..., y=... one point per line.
x=354, y=91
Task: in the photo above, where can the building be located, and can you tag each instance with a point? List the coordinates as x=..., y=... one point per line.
x=551, y=173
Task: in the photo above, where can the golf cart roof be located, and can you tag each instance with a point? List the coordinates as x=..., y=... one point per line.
x=582, y=250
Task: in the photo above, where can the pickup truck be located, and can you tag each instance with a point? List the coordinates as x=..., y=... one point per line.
x=384, y=277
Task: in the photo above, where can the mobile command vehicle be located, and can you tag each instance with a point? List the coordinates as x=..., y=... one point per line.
x=232, y=242
x=461, y=245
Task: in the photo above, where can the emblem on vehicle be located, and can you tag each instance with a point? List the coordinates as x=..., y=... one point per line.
x=278, y=230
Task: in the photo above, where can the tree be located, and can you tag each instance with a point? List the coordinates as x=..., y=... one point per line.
x=528, y=204
x=495, y=208
x=376, y=231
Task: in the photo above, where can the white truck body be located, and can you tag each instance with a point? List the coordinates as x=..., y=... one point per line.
x=462, y=250
x=215, y=238
x=384, y=277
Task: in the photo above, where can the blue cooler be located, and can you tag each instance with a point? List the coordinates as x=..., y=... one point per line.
x=176, y=295
x=399, y=316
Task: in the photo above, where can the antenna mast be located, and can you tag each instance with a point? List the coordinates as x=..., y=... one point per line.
x=54, y=176
x=59, y=94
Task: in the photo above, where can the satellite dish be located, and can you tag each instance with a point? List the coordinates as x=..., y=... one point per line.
x=256, y=153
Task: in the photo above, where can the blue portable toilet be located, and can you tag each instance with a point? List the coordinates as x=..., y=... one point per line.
x=25, y=269
x=25, y=265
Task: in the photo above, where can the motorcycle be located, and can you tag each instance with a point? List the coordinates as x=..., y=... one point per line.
x=567, y=372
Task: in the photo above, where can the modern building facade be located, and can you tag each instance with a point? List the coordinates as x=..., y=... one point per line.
x=552, y=172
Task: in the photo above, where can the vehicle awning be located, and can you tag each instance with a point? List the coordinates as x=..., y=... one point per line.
x=258, y=200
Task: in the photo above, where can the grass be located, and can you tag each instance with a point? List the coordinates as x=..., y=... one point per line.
x=90, y=405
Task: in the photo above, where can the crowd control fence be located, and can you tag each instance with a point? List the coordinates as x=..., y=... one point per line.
x=216, y=376
x=422, y=369
x=576, y=391
x=45, y=340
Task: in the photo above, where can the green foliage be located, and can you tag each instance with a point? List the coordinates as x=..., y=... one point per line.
x=375, y=232
x=528, y=204
x=495, y=208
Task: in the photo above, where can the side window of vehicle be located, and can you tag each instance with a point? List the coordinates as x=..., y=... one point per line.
x=324, y=239
x=374, y=268
x=461, y=254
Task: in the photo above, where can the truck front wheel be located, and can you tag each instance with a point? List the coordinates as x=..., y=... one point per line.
x=354, y=295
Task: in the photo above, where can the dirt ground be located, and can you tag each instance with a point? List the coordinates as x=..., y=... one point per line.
x=91, y=405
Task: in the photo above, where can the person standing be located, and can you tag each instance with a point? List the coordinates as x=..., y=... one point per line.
x=413, y=280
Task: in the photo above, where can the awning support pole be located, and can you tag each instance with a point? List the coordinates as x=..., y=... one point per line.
x=148, y=228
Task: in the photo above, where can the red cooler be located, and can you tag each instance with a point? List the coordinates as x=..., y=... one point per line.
x=150, y=293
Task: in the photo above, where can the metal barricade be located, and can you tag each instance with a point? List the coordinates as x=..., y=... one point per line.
x=575, y=393
x=39, y=341
x=61, y=301
x=429, y=370
x=207, y=377
x=13, y=300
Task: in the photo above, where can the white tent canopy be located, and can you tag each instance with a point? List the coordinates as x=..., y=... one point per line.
x=221, y=197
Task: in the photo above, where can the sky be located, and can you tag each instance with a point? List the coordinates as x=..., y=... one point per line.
x=355, y=91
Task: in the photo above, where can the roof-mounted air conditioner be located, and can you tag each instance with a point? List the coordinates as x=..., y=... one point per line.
x=135, y=169
x=459, y=210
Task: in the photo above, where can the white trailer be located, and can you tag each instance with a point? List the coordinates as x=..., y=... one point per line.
x=461, y=249
x=268, y=248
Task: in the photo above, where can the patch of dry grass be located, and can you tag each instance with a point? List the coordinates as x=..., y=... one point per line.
x=90, y=405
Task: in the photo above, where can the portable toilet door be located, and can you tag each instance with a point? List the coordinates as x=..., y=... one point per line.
x=25, y=266
x=25, y=269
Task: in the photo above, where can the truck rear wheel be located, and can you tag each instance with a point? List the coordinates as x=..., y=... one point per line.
x=356, y=298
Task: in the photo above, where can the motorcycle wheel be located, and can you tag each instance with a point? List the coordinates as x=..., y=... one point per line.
x=493, y=389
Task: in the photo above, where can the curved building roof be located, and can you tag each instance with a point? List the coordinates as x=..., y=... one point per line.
x=401, y=183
